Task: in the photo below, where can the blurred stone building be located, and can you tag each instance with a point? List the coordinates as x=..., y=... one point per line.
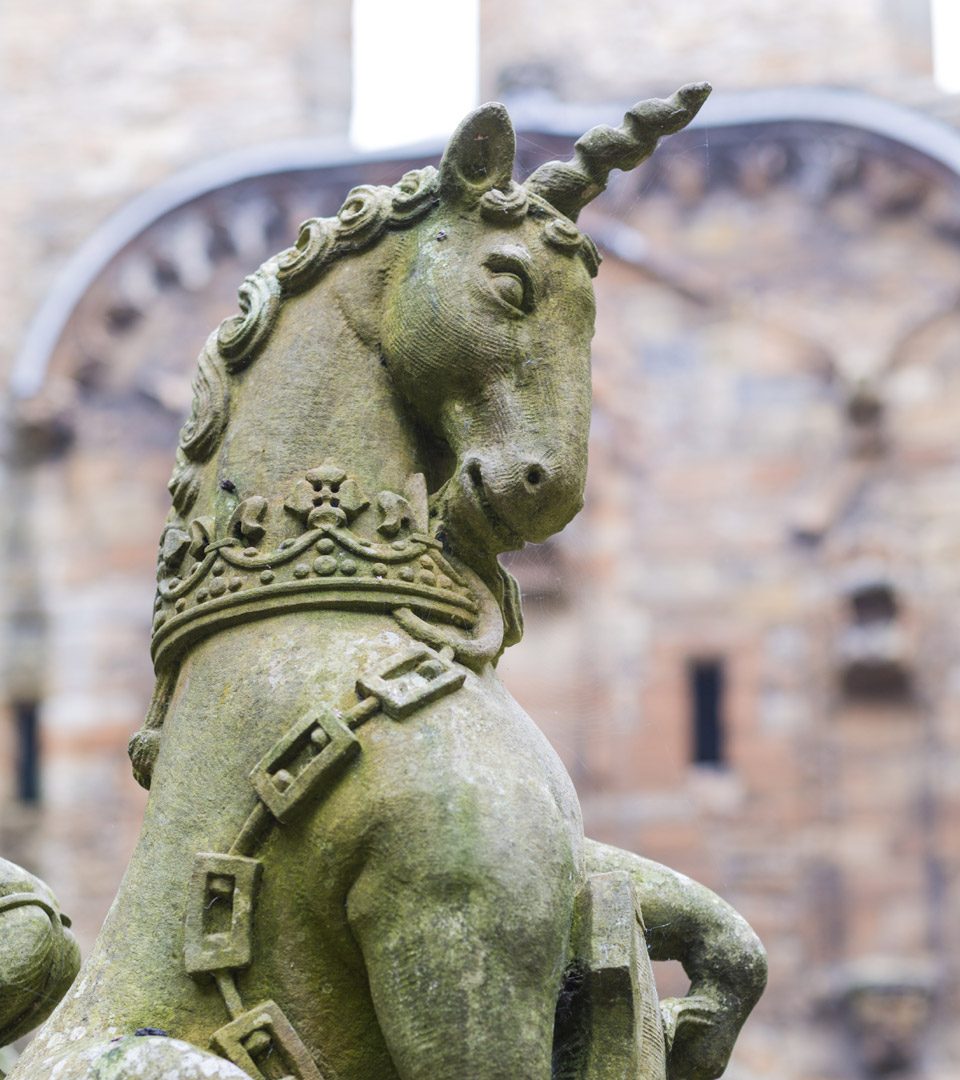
x=746, y=647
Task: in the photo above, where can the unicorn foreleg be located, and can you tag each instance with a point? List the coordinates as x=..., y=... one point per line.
x=465, y=935
x=720, y=953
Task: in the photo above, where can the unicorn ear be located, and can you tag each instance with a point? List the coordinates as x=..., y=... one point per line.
x=479, y=156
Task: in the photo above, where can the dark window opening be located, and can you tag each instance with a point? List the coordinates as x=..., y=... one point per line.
x=26, y=717
x=874, y=652
x=877, y=679
x=706, y=685
x=874, y=603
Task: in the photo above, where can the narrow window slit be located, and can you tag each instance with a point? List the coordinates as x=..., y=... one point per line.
x=705, y=680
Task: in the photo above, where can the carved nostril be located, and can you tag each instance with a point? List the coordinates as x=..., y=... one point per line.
x=534, y=476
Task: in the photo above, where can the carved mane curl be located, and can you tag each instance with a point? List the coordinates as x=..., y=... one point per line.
x=366, y=214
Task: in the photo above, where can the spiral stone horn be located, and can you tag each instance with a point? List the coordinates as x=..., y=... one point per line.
x=570, y=185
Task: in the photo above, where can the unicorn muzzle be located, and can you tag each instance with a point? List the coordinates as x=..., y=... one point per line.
x=526, y=499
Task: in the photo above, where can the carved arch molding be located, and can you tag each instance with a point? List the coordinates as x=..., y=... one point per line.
x=124, y=323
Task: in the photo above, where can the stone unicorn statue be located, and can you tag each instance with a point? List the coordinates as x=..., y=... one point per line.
x=361, y=860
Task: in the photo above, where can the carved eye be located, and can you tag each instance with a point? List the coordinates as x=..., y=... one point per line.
x=509, y=288
x=510, y=282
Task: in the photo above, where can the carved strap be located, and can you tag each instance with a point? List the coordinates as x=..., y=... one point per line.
x=27, y=899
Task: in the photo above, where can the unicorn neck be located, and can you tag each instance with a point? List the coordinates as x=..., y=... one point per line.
x=315, y=499
x=317, y=394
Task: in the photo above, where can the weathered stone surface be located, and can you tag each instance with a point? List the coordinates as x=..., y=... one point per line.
x=360, y=857
x=39, y=957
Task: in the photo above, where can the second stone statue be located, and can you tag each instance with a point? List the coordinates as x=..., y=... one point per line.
x=361, y=860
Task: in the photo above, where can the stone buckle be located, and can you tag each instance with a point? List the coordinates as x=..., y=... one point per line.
x=218, y=929
x=410, y=681
x=263, y=1033
x=318, y=746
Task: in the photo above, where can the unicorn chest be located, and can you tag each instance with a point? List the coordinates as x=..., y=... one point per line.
x=311, y=757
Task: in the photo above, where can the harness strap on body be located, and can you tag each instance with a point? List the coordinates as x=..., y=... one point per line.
x=299, y=768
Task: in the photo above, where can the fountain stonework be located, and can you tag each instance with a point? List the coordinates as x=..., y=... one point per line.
x=361, y=860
